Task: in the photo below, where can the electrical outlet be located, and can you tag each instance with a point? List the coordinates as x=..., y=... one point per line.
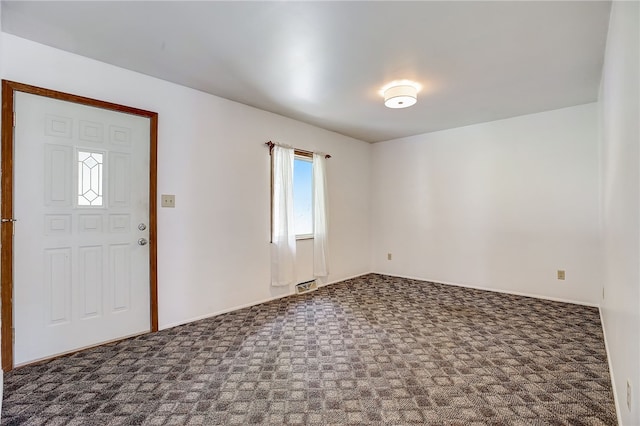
x=560, y=274
x=629, y=394
x=168, y=200
x=389, y=256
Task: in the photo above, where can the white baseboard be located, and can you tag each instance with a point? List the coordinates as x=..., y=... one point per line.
x=223, y=311
x=616, y=401
x=495, y=290
x=344, y=279
x=292, y=293
x=248, y=305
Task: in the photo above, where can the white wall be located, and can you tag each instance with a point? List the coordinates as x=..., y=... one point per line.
x=499, y=205
x=620, y=112
x=213, y=248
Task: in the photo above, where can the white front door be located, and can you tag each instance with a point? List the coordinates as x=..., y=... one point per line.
x=81, y=200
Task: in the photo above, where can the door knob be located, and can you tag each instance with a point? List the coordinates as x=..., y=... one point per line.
x=142, y=226
x=142, y=242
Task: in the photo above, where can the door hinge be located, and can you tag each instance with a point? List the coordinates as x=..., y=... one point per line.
x=13, y=335
x=12, y=222
x=14, y=119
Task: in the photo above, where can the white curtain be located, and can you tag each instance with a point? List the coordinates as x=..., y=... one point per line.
x=320, y=219
x=283, y=238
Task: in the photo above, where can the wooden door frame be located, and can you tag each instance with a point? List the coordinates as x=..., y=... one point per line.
x=6, y=209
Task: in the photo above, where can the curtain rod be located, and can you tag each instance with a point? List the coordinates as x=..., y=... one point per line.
x=271, y=145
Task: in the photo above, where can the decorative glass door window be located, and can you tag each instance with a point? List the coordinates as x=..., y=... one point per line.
x=90, y=178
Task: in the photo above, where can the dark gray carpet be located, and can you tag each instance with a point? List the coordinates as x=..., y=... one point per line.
x=372, y=350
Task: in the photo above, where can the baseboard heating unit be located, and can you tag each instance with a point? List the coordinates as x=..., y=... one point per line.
x=306, y=287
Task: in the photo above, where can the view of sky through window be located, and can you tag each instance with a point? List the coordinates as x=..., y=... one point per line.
x=302, y=196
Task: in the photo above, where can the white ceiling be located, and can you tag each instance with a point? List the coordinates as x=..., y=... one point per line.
x=324, y=62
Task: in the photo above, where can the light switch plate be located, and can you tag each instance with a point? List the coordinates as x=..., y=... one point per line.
x=168, y=200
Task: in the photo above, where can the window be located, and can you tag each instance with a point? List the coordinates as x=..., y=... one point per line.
x=298, y=210
x=90, y=178
x=303, y=196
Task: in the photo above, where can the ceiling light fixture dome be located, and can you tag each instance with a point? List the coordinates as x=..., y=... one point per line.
x=400, y=94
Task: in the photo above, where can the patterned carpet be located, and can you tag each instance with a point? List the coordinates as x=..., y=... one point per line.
x=371, y=350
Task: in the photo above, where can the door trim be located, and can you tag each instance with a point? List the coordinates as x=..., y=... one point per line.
x=6, y=208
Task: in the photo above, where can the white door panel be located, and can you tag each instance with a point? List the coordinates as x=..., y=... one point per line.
x=81, y=179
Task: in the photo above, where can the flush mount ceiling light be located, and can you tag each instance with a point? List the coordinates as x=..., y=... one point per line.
x=400, y=94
